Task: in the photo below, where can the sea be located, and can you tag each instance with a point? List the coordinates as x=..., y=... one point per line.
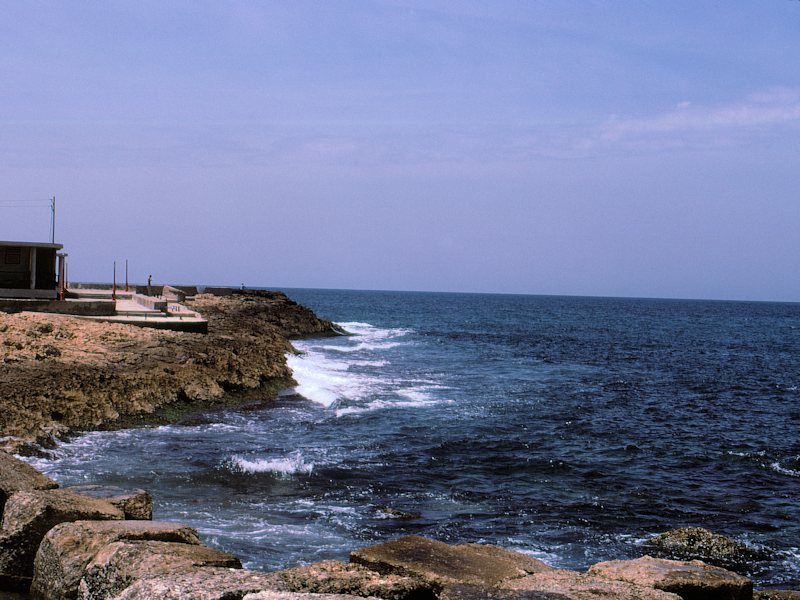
x=571, y=429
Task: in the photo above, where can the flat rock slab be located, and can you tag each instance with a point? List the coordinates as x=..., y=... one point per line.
x=207, y=583
x=136, y=504
x=693, y=579
x=18, y=476
x=68, y=548
x=581, y=586
x=468, y=591
x=440, y=564
x=27, y=518
x=118, y=565
x=296, y=596
x=335, y=577
x=776, y=595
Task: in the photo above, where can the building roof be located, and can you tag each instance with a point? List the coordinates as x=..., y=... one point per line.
x=32, y=244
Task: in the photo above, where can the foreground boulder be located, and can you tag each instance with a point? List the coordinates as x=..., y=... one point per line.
x=19, y=476
x=206, y=583
x=136, y=504
x=27, y=518
x=68, y=548
x=689, y=543
x=120, y=564
x=439, y=564
x=335, y=577
x=689, y=580
x=579, y=586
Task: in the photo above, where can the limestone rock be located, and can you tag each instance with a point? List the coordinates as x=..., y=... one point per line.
x=68, y=548
x=120, y=564
x=295, y=596
x=697, y=543
x=19, y=476
x=693, y=579
x=206, y=583
x=135, y=504
x=439, y=564
x=335, y=577
x=579, y=586
x=27, y=518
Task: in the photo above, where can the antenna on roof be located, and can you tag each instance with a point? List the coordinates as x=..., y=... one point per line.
x=53, y=219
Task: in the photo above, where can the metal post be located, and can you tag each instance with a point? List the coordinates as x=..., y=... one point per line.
x=114, y=283
x=53, y=220
x=126, y=274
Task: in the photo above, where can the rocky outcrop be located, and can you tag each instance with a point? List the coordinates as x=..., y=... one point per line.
x=335, y=577
x=690, y=543
x=582, y=586
x=118, y=565
x=689, y=580
x=67, y=549
x=201, y=583
x=135, y=504
x=70, y=373
x=27, y=518
x=440, y=564
x=18, y=476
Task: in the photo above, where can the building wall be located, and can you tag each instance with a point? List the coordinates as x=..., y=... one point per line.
x=15, y=267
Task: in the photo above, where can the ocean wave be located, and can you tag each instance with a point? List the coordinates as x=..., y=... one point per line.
x=293, y=464
x=776, y=466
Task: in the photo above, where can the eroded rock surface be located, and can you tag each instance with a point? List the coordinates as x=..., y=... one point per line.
x=135, y=504
x=27, y=518
x=693, y=579
x=689, y=543
x=68, y=548
x=62, y=373
x=440, y=564
x=203, y=583
x=118, y=565
x=335, y=577
x=19, y=476
x=582, y=586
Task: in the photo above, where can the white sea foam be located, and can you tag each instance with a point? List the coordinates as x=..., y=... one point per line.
x=776, y=466
x=292, y=464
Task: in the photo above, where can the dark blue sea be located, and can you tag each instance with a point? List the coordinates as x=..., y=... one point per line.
x=568, y=428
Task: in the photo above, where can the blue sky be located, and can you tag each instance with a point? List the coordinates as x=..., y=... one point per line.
x=627, y=148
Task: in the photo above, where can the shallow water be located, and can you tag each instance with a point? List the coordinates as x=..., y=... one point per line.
x=567, y=428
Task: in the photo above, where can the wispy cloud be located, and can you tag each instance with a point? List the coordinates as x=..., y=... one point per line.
x=689, y=123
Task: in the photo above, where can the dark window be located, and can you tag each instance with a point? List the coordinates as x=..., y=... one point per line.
x=13, y=256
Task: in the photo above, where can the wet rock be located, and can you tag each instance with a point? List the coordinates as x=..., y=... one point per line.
x=335, y=577
x=207, y=583
x=19, y=476
x=689, y=580
x=440, y=564
x=582, y=586
x=27, y=518
x=776, y=595
x=396, y=513
x=68, y=548
x=136, y=504
x=120, y=564
x=689, y=543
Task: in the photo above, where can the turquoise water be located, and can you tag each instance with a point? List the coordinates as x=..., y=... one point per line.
x=568, y=428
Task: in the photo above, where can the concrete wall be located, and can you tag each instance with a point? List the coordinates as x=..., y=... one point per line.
x=97, y=307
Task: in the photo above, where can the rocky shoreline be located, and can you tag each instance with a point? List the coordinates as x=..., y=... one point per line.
x=95, y=543
x=60, y=374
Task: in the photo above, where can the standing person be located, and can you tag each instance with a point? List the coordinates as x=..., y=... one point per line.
x=149, y=285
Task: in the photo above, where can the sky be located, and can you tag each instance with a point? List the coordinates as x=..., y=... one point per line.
x=604, y=148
